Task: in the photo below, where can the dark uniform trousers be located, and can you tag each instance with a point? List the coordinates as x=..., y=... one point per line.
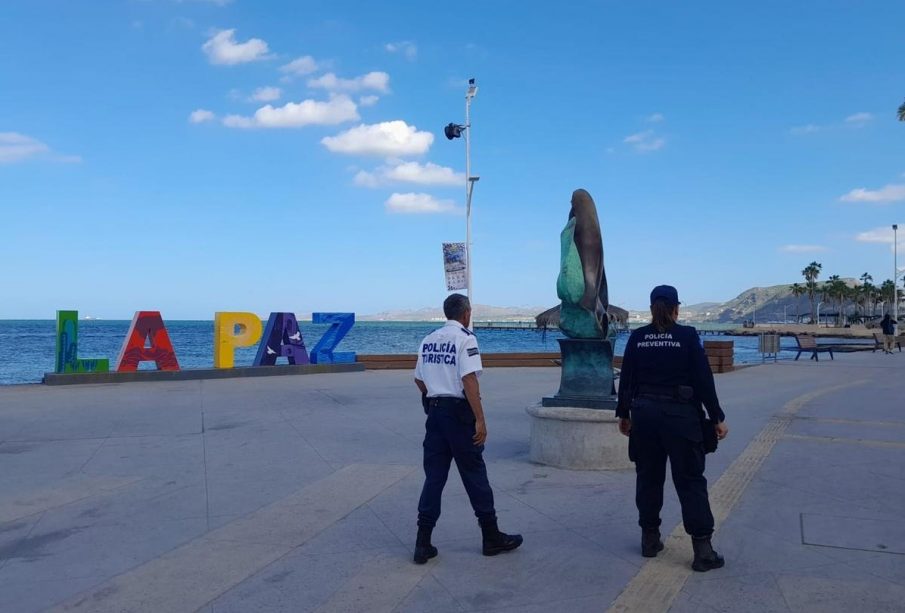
x=664, y=429
x=449, y=431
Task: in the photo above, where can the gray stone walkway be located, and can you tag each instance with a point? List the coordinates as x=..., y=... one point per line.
x=299, y=494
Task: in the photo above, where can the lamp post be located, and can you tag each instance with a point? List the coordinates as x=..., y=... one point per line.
x=455, y=131
x=818, y=313
x=895, y=273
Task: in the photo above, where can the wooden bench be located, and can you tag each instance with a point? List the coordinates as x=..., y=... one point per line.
x=808, y=344
x=878, y=342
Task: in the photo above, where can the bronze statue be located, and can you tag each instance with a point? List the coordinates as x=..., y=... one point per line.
x=582, y=283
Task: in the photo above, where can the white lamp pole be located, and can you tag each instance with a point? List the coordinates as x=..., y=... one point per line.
x=469, y=185
x=895, y=272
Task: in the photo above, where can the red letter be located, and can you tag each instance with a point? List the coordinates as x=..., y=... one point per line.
x=147, y=326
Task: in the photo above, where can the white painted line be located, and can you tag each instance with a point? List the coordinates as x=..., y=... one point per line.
x=191, y=576
x=20, y=505
x=660, y=580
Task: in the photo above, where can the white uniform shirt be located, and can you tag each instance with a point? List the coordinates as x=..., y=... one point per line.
x=446, y=355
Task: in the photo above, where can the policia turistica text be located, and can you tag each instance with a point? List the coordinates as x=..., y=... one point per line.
x=447, y=371
x=664, y=381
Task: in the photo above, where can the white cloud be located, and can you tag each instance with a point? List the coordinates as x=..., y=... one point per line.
x=645, y=141
x=889, y=193
x=405, y=47
x=412, y=203
x=806, y=129
x=877, y=235
x=368, y=100
x=267, y=94
x=410, y=172
x=201, y=115
x=802, y=248
x=859, y=118
x=222, y=48
x=338, y=109
x=656, y=118
x=301, y=66
x=377, y=81
x=856, y=120
x=15, y=147
x=883, y=236
x=386, y=139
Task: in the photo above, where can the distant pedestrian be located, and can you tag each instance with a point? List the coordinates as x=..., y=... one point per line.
x=447, y=371
x=889, y=333
x=664, y=381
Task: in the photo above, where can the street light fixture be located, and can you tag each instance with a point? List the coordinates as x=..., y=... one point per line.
x=452, y=131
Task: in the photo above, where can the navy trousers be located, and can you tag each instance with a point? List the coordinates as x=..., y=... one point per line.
x=448, y=436
x=664, y=430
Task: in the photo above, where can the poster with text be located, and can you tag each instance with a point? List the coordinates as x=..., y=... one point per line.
x=454, y=264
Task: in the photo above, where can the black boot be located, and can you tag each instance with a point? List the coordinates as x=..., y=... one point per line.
x=497, y=542
x=424, y=551
x=651, y=543
x=705, y=558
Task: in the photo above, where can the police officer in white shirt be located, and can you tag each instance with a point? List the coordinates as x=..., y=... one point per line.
x=449, y=364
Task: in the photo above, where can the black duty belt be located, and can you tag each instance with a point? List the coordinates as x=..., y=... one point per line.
x=666, y=393
x=446, y=402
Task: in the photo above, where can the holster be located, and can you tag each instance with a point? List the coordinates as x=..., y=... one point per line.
x=459, y=407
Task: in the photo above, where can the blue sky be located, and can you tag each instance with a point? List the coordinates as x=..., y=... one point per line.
x=194, y=156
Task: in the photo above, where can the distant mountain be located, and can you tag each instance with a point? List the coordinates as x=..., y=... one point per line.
x=773, y=303
x=482, y=312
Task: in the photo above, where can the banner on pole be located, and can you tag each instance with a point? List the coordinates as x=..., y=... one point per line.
x=454, y=264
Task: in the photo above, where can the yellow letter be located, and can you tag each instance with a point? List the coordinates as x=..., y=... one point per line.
x=233, y=330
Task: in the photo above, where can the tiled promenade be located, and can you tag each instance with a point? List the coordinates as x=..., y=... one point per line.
x=299, y=494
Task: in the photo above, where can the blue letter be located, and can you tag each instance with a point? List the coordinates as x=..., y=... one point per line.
x=323, y=351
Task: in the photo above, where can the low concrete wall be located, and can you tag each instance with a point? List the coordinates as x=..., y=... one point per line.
x=490, y=360
x=191, y=374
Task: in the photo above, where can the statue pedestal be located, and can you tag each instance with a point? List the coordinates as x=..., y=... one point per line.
x=577, y=438
x=577, y=428
x=587, y=375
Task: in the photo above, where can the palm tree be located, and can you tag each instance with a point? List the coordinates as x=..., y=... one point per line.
x=810, y=273
x=837, y=290
x=866, y=291
x=902, y=112
x=886, y=291
x=798, y=291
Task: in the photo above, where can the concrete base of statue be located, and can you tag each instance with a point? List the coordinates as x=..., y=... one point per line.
x=577, y=438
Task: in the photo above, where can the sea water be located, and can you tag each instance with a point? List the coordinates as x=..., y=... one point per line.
x=27, y=346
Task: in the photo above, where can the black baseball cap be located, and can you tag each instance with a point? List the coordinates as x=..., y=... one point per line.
x=665, y=292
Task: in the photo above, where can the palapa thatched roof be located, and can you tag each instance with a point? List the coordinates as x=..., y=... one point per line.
x=550, y=317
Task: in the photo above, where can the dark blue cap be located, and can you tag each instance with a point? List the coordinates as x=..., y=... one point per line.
x=665, y=292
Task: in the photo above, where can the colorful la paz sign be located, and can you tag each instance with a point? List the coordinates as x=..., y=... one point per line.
x=149, y=341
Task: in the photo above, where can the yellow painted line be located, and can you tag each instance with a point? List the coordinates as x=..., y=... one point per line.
x=191, y=576
x=16, y=506
x=660, y=580
x=379, y=587
x=867, y=442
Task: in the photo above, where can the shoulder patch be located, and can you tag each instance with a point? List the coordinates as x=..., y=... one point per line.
x=473, y=351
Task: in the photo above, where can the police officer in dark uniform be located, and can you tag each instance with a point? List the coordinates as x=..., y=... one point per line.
x=665, y=380
x=447, y=371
